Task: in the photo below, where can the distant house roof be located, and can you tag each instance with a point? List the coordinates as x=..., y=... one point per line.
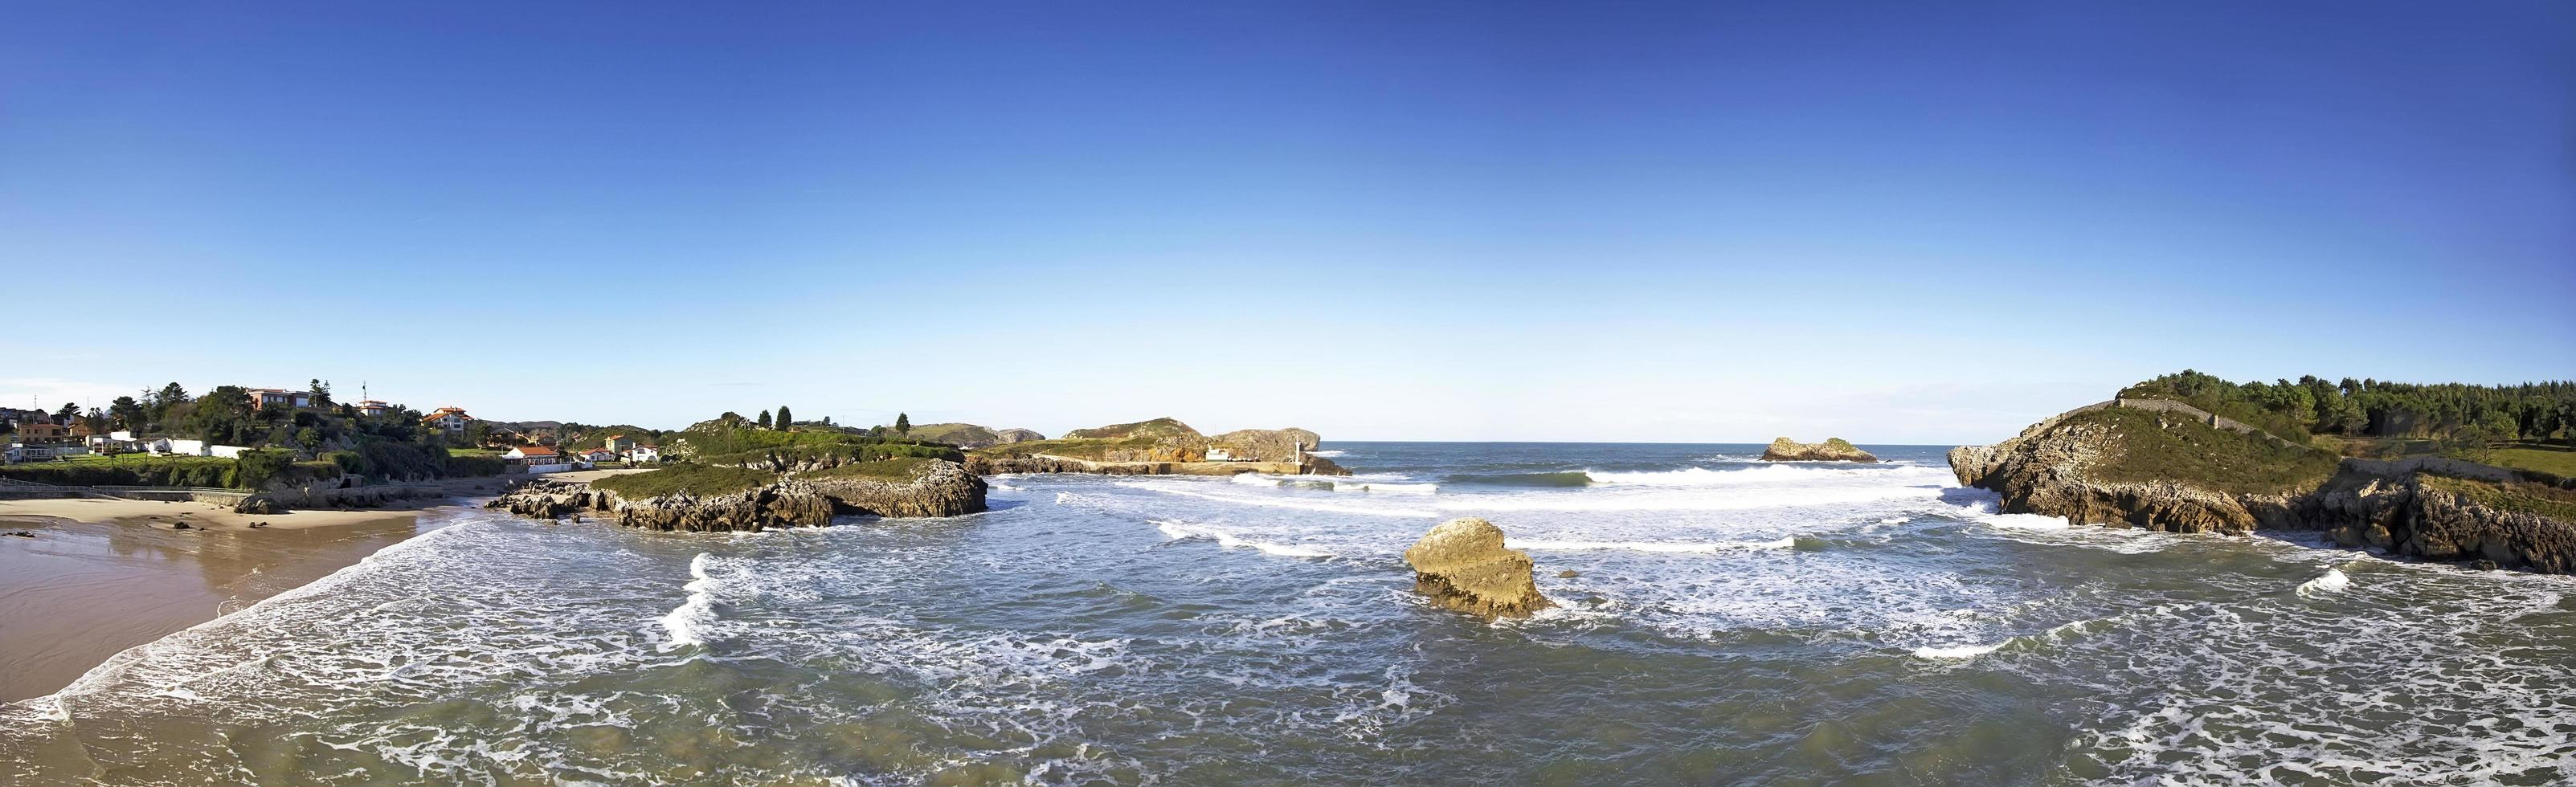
x=536, y=450
x=445, y=412
x=617, y=437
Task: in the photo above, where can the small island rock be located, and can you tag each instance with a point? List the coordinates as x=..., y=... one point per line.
x=1463, y=565
x=1831, y=450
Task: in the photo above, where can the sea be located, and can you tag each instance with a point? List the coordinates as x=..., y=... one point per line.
x=1725, y=621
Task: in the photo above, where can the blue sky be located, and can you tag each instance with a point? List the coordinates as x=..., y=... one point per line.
x=1465, y=221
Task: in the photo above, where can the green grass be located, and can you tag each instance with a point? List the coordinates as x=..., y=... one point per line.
x=2191, y=452
x=2520, y=496
x=1076, y=448
x=898, y=471
x=699, y=480
x=2553, y=460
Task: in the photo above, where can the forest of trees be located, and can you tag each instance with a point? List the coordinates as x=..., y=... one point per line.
x=2450, y=412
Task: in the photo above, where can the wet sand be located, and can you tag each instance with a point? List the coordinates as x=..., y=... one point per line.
x=100, y=576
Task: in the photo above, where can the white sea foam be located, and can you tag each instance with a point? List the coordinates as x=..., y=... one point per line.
x=1382, y=488
x=1651, y=546
x=1325, y=454
x=1956, y=651
x=687, y=623
x=1282, y=501
x=1222, y=538
x=2331, y=581
x=1773, y=473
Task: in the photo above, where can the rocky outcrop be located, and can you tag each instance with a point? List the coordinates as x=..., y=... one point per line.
x=971, y=435
x=1267, y=445
x=1462, y=565
x=1831, y=450
x=939, y=489
x=986, y=464
x=1159, y=429
x=2403, y=508
x=1009, y=436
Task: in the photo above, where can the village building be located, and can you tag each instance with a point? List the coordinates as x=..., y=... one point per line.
x=619, y=442
x=535, y=454
x=372, y=408
x=449, y=419
x=264, y=398
x=644, y=453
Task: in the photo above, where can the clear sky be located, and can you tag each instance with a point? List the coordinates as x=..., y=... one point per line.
x=1411, y=220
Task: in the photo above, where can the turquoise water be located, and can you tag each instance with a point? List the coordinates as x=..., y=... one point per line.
x=1731, y=622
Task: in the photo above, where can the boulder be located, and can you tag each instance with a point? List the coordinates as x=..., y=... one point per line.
x=1833, y=449
x=1463, y=565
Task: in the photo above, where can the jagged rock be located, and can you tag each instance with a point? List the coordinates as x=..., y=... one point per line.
x=2482, y=565
x=940, y=488
x=1568, y=574
x=1016, y=435
x=1831, y=450
x=258, y=504
x=1463, y=565
x=2050, y=470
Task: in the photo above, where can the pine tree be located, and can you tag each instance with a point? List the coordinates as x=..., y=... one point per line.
x=902, y=424
x=764, y=419
x=785, y=420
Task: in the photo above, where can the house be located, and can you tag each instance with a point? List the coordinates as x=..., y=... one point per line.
x=183, y=447
x=158, y=445
x=619, y=442
x=34, y=431
x=535, y=454
x=264, y=398
x=1221, y=455
x=372, y=408
x=644, y=453
x=450, y=419
x=599, y=455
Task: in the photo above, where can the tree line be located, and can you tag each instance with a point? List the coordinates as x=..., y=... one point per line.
x=2455, y=412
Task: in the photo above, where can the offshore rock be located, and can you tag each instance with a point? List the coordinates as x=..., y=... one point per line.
x=1831, y=450
x=940, y=488
x=1463, y=565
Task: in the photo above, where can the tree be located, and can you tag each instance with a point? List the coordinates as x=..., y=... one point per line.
x=764, y=419
x=321, y=393
x=126, y=412
x=69, y=411
x=785, y=420
x=902, y=424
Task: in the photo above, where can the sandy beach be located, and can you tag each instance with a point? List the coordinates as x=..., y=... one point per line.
x=91, y=578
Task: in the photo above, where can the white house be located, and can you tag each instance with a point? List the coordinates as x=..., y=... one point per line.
x=184, y=447
x=372, y=408
x=227, y=451
x=644, y=453
x=1222, y=455
x=451, y=419
x=599, y=455
x=535, y=454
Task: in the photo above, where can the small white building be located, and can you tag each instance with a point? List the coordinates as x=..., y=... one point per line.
x=535, y=454
x=184, y=447
x=227, y=451
x=644, y=453
x=599, y=455
x=450, y=419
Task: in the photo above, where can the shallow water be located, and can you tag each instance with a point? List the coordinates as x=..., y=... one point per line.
x=1731, y=622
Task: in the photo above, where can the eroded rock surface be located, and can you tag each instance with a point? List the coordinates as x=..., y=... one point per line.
x=1831, y=450
x=1463, y=565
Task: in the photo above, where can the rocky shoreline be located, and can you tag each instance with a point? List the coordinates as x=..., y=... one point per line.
x=2421, y=508
x=939, y=489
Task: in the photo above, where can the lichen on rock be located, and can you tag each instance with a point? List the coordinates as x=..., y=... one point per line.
x=1463, y=565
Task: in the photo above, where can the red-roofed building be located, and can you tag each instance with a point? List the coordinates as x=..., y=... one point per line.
x=452, y=419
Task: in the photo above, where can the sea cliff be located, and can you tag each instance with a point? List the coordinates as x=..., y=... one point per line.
x=2160, y=465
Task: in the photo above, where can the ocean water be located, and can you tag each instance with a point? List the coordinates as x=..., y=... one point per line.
x=1731, y=622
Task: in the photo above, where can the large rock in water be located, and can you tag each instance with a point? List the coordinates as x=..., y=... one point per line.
x=1463, y=565
x=1833, y=449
